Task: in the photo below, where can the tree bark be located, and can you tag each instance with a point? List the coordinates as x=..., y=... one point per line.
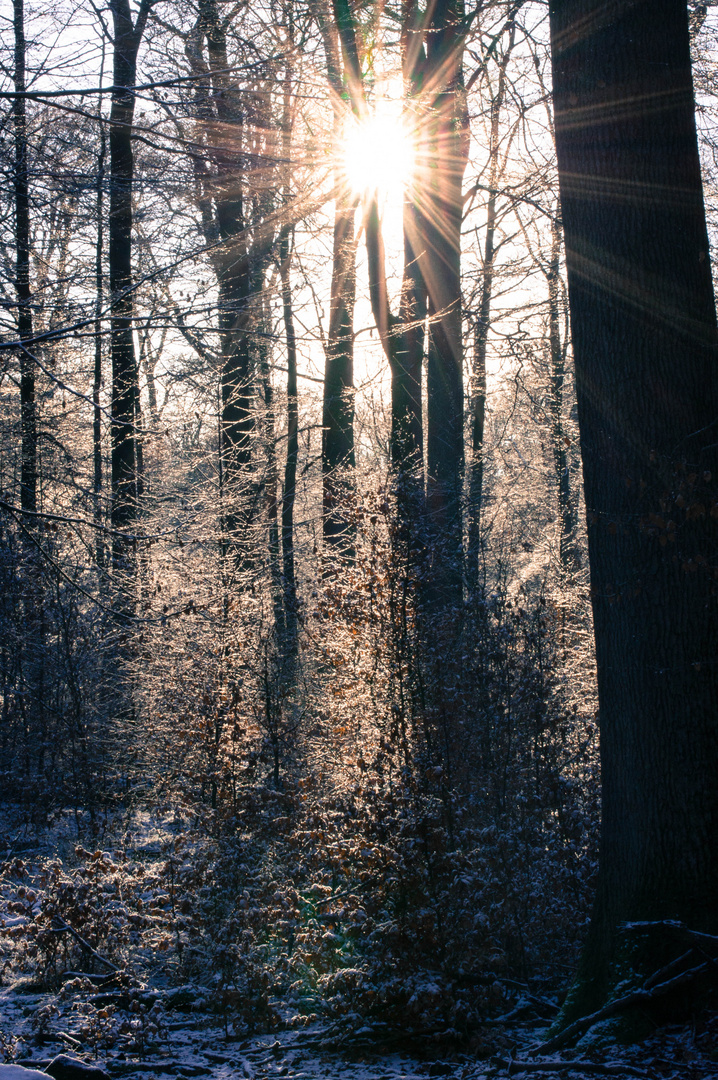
x=443, y=159
x=402, y=335
x=644, y=335
x=28, y=413
x=289, y=490
x=407, y=358
x=567, y=510
x=125, y=387
x=271, y=476
x=338, y=459
x=481, y=329
x=338, y=408
x=233, y=215
x=97, y=372
x=290, y=467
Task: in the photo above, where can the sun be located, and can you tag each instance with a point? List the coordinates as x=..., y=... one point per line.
x=377, y=154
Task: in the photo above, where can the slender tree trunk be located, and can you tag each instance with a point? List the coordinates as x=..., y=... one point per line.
x=338, y=411
x=290, y=468
x=444, y=150
x=32, y=607
x=237, y=423
x=272, y=479
x=338, y=459
x=481, y=330
x=28, y=414
x=407, y=430
x=402, y=336
x=97, y=373
x=238, y=264
x=125, y=389
x=478, y=417
x=567, y=510
x=644, y=336
x=407, y=421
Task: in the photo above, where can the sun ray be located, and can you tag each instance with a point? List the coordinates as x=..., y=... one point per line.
x=377, y=153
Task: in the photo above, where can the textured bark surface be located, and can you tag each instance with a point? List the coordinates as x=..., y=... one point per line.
x=97, y=370
x=290, y=468
x=28, y=409
x=443, y=156
x=496, y=166
x=567, y=508
x=338, y=404
x=644, y=333
x=125, y=390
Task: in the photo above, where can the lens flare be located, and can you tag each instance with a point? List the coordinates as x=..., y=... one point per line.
x=377, y=156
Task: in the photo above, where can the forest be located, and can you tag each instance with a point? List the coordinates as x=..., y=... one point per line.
x=358, y=539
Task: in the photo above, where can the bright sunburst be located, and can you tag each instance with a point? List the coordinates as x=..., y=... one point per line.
x=377, y=155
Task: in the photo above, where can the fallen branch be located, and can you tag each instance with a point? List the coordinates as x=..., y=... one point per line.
x=526, y=1004
x=709, y=942
x=664, y=972
x=514, y=1067
x=74, y=1043
x=636, y=997
x=63, y=926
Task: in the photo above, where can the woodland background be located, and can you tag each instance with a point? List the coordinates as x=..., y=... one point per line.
x=310, y=736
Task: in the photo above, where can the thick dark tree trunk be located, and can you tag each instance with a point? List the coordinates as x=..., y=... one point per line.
x=644, y=334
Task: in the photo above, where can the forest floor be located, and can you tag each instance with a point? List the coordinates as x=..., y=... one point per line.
x=197, y=1046
x=145, y=1029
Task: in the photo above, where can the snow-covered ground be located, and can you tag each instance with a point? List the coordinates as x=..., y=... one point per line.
x=140, y=1027
x=196, y=1046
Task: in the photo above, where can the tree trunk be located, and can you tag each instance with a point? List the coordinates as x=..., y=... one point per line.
x=125, y=388
x=481, y=329
x=567, y=510
x=407, y=428
x=407, y=422
x=290, y=468
x=338, y=409
x=97, y=515
x=443, y=161
x=28, y=414
x=271, y=477
x=644, y=334
x=230, y=214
